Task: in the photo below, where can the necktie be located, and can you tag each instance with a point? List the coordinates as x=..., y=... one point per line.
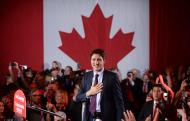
x=145, y=87
x=93, y=98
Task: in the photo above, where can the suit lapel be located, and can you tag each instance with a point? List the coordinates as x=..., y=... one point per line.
x=104, y=82
x=89, y=83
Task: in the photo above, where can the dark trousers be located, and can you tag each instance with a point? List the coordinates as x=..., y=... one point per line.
x=96, y=115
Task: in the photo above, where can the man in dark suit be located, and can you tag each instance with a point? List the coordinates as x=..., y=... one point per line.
x=154, y=109
x=132, y=93
x=100, y=89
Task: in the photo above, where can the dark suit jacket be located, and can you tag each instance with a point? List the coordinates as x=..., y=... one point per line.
x=111, y=103
x=147, y=110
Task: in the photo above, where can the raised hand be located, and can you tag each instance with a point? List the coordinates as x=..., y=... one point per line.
x=128, y=116
x=157, y=80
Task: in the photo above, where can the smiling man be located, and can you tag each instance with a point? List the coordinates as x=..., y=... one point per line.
x=100, y=89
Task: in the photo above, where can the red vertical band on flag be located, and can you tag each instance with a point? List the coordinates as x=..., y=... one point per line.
x=21, y=33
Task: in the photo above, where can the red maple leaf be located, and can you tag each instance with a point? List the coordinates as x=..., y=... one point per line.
x=97, y=31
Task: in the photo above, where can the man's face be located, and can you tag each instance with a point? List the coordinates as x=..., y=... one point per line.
x=145, y=78
x=67, y=71
x=36, y=97
x=97, y=62
x=59, y=98
x=9, y=103
x=157, y=93
x=29, y=74
x=54, y=73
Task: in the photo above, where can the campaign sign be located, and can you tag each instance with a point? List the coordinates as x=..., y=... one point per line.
x=20, y=103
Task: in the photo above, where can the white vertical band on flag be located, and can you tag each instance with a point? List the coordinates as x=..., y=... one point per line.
x=128, y=15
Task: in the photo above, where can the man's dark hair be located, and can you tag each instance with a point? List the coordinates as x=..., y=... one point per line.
x=71, y=69
x=99, y=52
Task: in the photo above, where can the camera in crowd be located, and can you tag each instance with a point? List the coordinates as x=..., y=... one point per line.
x=130, y=74
x=23, y=67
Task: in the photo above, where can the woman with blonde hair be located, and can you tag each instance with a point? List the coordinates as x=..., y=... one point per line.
x=61, y=99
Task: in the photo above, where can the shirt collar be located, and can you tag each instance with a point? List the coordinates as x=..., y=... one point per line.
x=99, y=72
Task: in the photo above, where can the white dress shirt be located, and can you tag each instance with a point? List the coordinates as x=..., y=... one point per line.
x=98, y=97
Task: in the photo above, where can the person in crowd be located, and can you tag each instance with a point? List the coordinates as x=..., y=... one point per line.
x=48, y=77
x=56, y=64
x=132, y=92
x=2, y=113
x=68, y=78
x=169, y=77
x=54, y=86
x=184, y=111
x=128, y=95
x=65, y=81
x=12, y=81
x=148, y=111
x=147, y=85
x=36, y=101
x=8, y=108
x=39, y=80
x=182, y=101
x=24, y=78
x=8, y=103
x=152, y=76
x=100, y=89
x=75, y=108
x=55, y=74
x=68, y=71
x=29, y=76
x=170, y=92
x=9, y=85
x=136, y=83
x=61, y=98
x=50, y=95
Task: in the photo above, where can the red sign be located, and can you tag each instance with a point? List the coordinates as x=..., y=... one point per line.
x=20, y=103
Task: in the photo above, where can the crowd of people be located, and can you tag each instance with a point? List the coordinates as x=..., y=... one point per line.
x=152, y=97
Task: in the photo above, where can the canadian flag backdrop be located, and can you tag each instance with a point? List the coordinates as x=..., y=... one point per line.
x=134, y=33
x=73, y=29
